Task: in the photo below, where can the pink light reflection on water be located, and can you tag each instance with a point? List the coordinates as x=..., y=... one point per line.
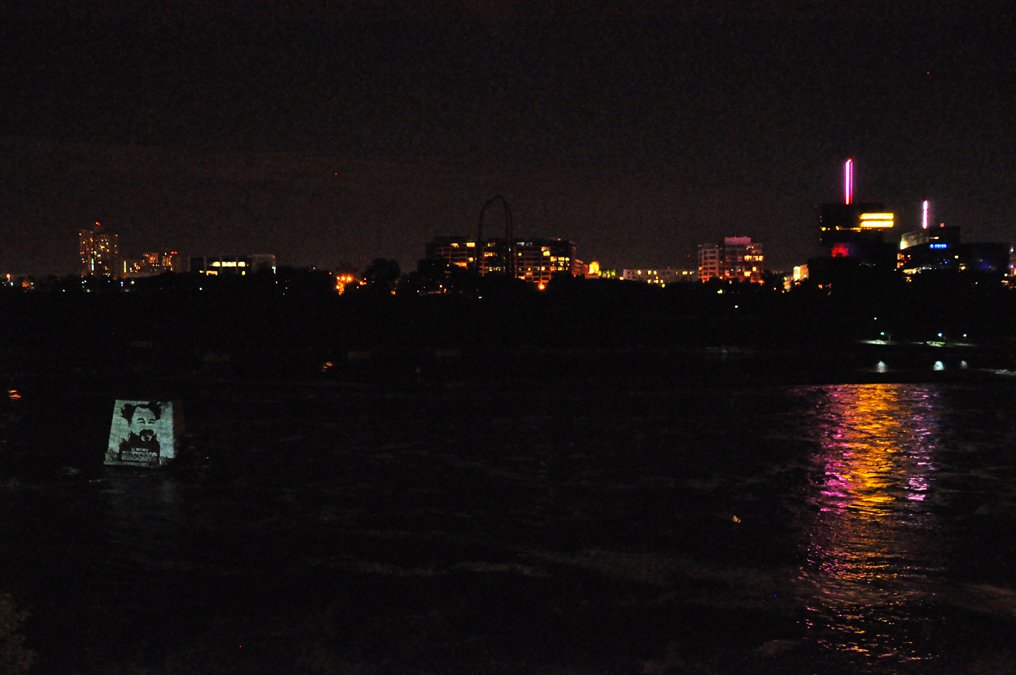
x=871, y=551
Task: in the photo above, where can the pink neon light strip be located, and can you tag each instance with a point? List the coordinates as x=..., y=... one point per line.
x=848, y=182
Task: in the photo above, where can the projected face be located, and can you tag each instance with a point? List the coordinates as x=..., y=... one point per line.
x=143, y=421
x=141, y=433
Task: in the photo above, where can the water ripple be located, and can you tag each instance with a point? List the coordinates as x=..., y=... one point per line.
x=871, y=553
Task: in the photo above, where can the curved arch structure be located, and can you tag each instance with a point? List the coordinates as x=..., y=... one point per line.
x=509, y=233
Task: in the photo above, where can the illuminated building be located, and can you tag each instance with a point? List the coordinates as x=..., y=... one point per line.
x=233, y=265
x=151, y=264
x=708, y=261
x=799, y=274
x=849, y=227
x=855, y=231
x=659, y=276
x=940, y=249
x=737, y=259
x=99, y=250
x=538, y=260
x=743, y=259
x=457, y=251
x=535, y=260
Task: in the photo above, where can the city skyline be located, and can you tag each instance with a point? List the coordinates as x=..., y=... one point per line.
x=334, y=139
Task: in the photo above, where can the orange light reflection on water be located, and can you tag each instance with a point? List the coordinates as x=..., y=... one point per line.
x=871, y=548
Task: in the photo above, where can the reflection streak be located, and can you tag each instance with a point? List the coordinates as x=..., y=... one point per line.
x=871, y=545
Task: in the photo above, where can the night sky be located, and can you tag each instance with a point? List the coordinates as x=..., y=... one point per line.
x=333, y=133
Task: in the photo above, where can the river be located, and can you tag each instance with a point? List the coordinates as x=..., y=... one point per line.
x=524, y=525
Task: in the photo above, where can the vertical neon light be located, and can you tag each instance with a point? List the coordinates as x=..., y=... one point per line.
x=848, y=182
x=924, y=215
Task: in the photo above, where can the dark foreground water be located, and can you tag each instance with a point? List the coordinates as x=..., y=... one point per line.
x=523, y=526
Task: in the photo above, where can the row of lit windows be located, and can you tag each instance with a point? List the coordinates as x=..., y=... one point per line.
x=228, y=263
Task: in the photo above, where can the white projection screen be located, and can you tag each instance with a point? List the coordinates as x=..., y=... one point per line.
x=141, y=434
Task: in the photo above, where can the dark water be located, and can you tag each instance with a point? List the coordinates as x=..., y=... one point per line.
x=522, y=527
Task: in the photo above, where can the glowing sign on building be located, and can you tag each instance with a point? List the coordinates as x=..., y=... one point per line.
x=881, y=220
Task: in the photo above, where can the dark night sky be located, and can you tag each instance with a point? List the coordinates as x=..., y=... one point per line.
x=332, y=134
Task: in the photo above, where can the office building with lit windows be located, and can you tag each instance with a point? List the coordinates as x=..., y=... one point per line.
x=99, y=249
x=232, y=265
x=659, y=276
x=456, y=251
x=537, y=260
x=532, y=260
x=151, y=264
x=736, y=259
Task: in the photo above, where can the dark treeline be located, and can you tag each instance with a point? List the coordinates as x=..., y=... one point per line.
x=295, y=321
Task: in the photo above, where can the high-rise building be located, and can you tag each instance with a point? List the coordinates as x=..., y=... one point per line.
x=537, y=260
x=855, y=231
x=743, y=259
x=151, y=264
x=708, y=261
x=533, y=260
x=737, y=259
x=99, y=250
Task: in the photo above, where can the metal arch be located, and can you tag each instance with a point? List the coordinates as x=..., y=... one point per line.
x=509, y=233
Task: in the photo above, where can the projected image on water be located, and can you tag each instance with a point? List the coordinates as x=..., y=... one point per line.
x=141, y=433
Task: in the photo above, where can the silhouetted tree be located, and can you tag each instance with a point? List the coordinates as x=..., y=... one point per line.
x=431, y=276
x=382, y=274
